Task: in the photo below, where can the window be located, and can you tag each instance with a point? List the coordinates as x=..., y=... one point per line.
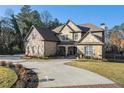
x=64, y=37
x=88, y=50
x=75, y=36
x=33, y=35
x=33, y=50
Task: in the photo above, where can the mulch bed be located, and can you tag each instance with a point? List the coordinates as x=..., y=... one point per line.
x=27, y=78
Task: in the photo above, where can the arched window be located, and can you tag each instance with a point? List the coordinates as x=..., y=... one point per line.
x=27, y=50
x=33, y=50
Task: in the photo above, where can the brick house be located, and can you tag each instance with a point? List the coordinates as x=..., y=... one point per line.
x=65, y=40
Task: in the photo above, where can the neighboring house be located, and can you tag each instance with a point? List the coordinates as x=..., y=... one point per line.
x=68, y=39
x=122, y=43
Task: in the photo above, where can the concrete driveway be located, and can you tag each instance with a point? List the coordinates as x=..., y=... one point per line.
x=60, y=75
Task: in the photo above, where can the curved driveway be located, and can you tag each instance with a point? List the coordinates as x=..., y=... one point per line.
x=61, y=75
x=58, y=74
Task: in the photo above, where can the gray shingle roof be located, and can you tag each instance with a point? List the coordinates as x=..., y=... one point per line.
x=57, y=29
x=89, y=27
x=48, y=35
x=83, y=27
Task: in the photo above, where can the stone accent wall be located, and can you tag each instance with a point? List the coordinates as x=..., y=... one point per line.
x=68, y=31
x=90, y=39
x=35, y=49
x=97, y=50
x=34, y=46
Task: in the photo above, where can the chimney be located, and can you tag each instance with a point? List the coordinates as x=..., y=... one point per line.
x=103, y=26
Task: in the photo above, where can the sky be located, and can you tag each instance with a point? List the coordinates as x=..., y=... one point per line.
x=110, y=15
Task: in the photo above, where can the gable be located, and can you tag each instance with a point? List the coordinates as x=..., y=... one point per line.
x=89, y=38
x=34, y=35
x=73, y=26
x=66, y=30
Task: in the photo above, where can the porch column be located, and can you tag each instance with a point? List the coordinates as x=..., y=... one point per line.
x=66, y=50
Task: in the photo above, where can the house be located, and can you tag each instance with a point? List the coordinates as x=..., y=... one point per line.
x=122, y=43
x=65, y=40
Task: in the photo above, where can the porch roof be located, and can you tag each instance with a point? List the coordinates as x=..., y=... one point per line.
x=67, y=43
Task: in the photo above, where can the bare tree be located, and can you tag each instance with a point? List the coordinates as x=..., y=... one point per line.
x=46, y=18
x=114, y=40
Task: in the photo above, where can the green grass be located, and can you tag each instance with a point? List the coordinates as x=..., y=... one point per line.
x=7, y=77
x=110, y=70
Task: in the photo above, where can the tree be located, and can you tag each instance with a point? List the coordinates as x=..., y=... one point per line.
x=26, y=18
x=13, y=21
x=35, y=18
x=53, y=24
x=14, y=27
x=46, y=18
x=6, y=37
x=114, y=41
x=23, y=19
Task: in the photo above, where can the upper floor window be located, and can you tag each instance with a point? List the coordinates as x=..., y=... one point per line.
x=64, y=37
x=75, y=36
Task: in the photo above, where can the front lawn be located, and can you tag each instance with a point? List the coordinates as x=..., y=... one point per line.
x=110, y=70
x=7, y=77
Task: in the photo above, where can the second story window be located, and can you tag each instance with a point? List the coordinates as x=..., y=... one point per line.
x=75, y=36
x=64, y=37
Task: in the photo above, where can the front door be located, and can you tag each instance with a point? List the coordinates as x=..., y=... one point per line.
x=61, y=51
x=72, y=50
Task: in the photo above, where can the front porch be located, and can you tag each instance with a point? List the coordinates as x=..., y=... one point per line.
x=66, y=50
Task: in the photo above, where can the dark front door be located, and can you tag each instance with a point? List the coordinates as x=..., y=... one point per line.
x=72, y=50
x=61, y=51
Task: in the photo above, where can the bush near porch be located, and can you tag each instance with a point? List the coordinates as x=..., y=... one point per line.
x=110, y=70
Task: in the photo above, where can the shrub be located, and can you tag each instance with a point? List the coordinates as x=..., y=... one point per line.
x=18, y=66
x=10, y=64
x=20, y=84
x=3, y=63
x=23, y=75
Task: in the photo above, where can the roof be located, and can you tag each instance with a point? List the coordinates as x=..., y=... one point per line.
x=96, y=36
x=89, y=27
x=57, y=29
x=83, y=27
x=67, y=43
x=47, y=35
x=60, y=28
